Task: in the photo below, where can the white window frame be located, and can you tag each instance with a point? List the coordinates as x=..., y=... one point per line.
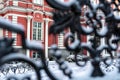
x=35, y=55
x=6, y=31
x=14, y=35
x=41, y=33
x=61, y=40
x=39, y=2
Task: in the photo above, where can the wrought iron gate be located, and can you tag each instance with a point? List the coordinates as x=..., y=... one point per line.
x=68, y=16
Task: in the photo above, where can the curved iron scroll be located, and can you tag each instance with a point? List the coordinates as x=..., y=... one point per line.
x=69, y=15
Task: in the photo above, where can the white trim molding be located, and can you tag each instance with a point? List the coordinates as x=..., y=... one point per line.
x=61, y=40
x=16, y=9
x=47, y=19
x=37, y=11
x=14, y=35
x=28, y=26
x=13, y=14
x=46, y=38
x=38, y=2
x=17, y=46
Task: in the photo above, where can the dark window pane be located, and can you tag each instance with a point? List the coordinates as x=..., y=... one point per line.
x=34, y=55
x=35, y=24
x=39, y=25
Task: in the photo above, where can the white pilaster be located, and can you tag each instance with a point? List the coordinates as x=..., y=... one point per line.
x=88, y=38
x=14, y=35
x=46, y=38
x=28, y=33
x=1, y=32
x=61, y=40
x=1, y=6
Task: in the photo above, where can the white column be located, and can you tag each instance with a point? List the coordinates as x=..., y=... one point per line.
x=28, y=33
x=46, y=38
x=14, y=35
x=1, y=32
x=60, y=40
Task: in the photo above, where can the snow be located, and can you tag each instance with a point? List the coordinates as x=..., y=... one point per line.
x=94, y=5
x=68, y=3
x=102, y=46
x=117, y=17
x=75, y=44
x=112, y=45
x=79, y=73
x=68, y=34
x=103, y=31
x=88, y=44
x=87, y=30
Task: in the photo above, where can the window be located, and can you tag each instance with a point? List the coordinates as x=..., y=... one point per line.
x=37, y=31
x=14, y=35
x=38, y=2
x=36, y=55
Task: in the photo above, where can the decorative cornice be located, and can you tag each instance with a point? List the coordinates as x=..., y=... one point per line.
x=48, y=13
x=47, y=19
x=15, y=9
x=9, y=14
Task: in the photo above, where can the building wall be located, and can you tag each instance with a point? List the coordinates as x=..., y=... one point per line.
x=27, y=13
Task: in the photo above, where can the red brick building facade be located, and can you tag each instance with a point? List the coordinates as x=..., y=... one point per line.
x=36, y=17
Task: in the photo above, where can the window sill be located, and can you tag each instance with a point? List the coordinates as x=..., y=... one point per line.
x=39, y=40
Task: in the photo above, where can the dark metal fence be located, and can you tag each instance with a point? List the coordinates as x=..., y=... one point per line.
x=68, y=16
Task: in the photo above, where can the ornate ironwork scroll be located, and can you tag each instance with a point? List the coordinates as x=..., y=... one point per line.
x=68, y=15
